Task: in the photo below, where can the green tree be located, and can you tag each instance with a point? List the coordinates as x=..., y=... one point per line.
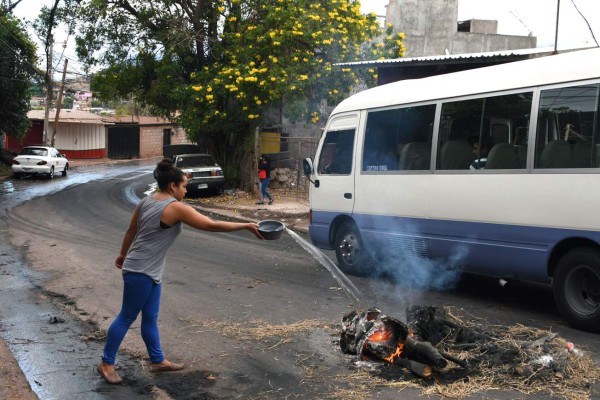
x=216, y=67
x=17, y=70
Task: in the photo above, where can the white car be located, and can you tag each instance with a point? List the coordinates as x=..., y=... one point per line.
x=36, y=160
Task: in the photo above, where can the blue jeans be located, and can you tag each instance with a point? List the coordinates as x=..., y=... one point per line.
x=140, y=293
x=264, y=184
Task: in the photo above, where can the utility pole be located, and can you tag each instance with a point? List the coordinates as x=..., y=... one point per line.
x=59, y=102
x=255, y=180
x=556, y=32
x=48, y=84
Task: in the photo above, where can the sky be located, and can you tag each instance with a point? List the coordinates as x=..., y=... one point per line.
x=515, y=17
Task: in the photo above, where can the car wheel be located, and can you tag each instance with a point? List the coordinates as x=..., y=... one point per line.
x=64, y=172
x=576, y=287
x=350, y=252
x=51, y=173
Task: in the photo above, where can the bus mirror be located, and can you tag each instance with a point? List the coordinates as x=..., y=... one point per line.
x=307, y=165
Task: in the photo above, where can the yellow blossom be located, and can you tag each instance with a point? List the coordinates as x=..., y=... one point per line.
x=197, y=88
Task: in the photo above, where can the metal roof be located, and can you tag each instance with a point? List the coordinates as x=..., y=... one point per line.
x=71, y=116
x=448, y=58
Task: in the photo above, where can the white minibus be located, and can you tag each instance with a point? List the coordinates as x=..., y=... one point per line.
x=496, y=169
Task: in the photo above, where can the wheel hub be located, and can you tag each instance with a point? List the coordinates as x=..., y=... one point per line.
x=349, y=249
x=583, y=289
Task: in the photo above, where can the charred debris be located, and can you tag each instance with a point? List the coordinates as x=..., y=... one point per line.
x=439, y=348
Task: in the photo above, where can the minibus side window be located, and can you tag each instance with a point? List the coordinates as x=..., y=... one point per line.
x=399, y=139
x=567, y=128
x=336, y=153
x=484, y=133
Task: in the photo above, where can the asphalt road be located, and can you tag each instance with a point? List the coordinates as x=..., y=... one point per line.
x=250, y=318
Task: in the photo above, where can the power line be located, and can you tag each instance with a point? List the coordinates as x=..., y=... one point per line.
x=586, y=21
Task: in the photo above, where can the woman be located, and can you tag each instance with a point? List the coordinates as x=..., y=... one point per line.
x=154, y=226
x=264, y=174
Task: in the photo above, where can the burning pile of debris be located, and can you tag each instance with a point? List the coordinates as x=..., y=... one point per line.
x=436, y=343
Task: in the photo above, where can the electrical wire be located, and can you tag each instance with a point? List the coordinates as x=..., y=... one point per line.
x=586, y=21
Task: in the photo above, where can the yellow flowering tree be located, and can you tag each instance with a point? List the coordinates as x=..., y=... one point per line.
x=226, y=65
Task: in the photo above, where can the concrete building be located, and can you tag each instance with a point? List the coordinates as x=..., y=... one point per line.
x=432, y=28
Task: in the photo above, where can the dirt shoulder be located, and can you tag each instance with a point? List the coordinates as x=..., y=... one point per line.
x=289, y=207
x=13, y=384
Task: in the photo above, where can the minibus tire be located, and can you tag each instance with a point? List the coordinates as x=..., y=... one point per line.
x=576, y=288
x=350, y=252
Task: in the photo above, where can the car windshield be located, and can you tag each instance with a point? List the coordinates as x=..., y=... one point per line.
x=195, y=161
x=33, y=151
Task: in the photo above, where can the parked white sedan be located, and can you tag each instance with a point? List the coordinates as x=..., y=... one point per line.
x=36, y=160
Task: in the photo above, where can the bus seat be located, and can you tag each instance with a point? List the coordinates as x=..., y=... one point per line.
x=522, y=156
x=456, y=154
x=502, y=156
x=582, y=154
x=556, y=154
x=415, y=156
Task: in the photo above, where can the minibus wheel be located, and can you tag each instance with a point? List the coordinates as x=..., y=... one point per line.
x=350, y=252
x=576, y=287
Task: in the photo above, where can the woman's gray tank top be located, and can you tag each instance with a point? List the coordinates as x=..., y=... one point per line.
x=149, y=248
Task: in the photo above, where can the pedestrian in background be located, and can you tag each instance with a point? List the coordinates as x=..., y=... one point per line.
x=264, y=174
x=155, y=224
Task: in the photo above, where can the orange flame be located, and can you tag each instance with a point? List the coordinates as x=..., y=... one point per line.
x=395, y=354
x=383, y=334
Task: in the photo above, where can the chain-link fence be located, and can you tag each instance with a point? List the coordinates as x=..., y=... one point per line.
x=287, y=174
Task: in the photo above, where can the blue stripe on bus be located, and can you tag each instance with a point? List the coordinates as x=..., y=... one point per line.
x=510, y=251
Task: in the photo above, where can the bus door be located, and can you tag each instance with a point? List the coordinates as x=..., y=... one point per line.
x=333, y=191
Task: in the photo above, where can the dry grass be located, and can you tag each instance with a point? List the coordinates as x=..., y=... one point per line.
x=257, y=329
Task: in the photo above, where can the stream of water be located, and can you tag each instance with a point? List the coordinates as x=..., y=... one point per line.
x=350, y=290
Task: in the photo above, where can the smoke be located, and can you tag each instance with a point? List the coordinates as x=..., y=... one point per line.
x=402, y=265
x=412, y=270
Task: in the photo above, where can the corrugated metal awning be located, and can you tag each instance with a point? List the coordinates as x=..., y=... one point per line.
x=449, y=58
x=69, y=116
